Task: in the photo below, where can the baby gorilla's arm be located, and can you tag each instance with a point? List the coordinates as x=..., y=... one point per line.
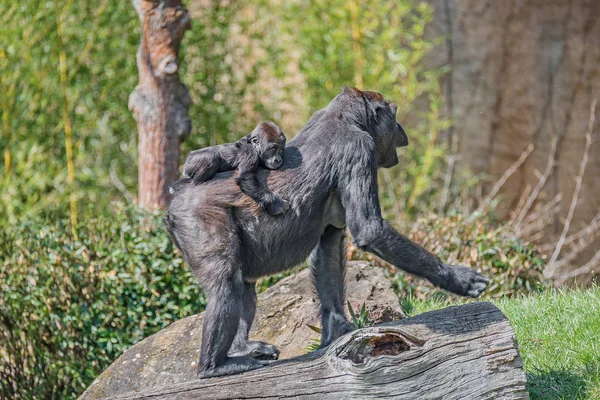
x=201, y=165
x=246, y=179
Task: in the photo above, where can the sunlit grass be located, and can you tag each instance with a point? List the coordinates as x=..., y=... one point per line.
x=559, y=339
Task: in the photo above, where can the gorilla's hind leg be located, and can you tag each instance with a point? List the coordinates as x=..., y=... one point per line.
x=328, y=265
x=241, y=345
x=221, y=321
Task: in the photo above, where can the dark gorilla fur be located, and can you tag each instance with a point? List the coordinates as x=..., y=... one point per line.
x=263, y=146
x=329, y=177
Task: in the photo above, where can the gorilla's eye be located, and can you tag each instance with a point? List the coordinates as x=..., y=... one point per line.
x=382, y=111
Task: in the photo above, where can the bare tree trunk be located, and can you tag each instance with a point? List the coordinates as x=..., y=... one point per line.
x=160, y=101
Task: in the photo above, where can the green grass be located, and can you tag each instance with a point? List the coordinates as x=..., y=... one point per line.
x=559, y=339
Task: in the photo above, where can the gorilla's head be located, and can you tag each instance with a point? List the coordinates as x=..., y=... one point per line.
x=377, y=116
x=269, y=141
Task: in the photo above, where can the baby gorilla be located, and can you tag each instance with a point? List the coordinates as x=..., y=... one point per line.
x=263, y=146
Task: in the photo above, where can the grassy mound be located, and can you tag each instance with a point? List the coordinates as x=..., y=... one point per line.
x=558, y=334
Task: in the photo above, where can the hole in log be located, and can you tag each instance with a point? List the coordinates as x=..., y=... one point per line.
x=387, y=344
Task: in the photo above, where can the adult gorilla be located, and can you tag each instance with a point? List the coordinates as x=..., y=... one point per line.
x=329, y=178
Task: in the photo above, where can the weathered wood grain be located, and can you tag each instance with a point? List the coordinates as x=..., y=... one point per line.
x=464, y=352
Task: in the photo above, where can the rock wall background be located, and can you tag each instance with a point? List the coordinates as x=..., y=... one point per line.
x=522, y=72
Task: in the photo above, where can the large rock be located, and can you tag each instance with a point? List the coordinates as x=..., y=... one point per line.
x=284, y=311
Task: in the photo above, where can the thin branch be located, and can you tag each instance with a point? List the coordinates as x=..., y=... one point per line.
x=591, y=266
x=539, y=219
x=588, y=230
x=447, y=180
x=64, y=77
x=575, y=251
x=522, y=199
x=551, y=267
x=540, y=183
x=507, y=174
x=114, y=178
x=548, y=208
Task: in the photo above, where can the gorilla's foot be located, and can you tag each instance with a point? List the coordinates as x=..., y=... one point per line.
x=275, y=205
x=232, y=365
x=257, y=350
x=334, y=326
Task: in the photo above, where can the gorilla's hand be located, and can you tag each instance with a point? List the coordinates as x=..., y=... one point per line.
x=464, y=281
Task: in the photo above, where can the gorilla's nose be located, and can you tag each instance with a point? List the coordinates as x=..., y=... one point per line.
x=274, y=163
x=401, y=138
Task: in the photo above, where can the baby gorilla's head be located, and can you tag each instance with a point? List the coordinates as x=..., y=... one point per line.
x=269, y=141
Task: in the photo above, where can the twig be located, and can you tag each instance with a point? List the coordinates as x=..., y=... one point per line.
x=540, y=183
x=545, y=210
x=589, y=266
x=521, y=203
x=575, y=251
x=114, y=178
x=508, y=173
x=447, y=180
x=539, y=219
x=551, y=267
x=64, y=77
x=588, y=230
x=500, y=182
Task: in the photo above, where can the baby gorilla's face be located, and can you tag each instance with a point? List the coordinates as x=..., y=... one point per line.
x=272, y=156
x=270, y=142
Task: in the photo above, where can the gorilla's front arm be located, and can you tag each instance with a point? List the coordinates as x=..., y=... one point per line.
x=358, y=190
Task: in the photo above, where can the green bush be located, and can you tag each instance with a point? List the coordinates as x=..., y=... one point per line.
x=68, y=309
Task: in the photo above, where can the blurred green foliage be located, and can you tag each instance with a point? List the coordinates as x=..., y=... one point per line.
x=377, y=45
x=69, y=308
x=99, y=41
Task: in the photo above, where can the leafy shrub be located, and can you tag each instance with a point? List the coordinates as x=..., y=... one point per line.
x=68, y=309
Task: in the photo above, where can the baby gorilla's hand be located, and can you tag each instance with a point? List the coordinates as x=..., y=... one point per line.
x=275, y=205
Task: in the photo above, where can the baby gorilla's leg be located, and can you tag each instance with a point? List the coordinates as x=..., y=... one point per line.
x=274, y=204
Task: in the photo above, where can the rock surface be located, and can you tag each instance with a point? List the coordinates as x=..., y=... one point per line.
x=284, y=310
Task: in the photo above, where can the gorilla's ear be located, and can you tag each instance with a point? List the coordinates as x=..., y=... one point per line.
x=253, y=140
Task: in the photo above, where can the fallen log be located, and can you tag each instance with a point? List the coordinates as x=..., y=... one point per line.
x=462, y=352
